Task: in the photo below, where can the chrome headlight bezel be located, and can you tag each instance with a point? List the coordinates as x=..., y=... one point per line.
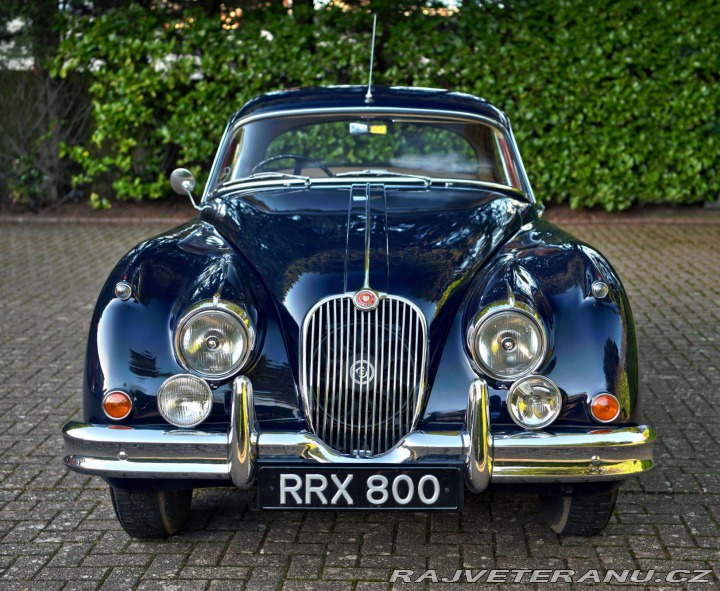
x=481, y=319
x=223, y=307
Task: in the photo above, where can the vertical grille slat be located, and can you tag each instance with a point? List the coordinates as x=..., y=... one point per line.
x=350, y=420
x=389, y=382
x=318, y=367
x=408, y=367
x=334, y=373
x=312, y=356
x=363, y=372
x=327, y=368
x=396, y=340
x=381, y=375
x=420, y=385
x=346, y=354
x=401, y=383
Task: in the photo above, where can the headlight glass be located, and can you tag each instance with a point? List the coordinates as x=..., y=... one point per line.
x=508, y=344
x=184, y=400
x=534, y=402
x=214, y=342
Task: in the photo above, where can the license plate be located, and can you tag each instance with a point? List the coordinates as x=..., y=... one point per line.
x=337, y=488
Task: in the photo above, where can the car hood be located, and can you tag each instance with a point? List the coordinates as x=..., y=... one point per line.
x=422, y=244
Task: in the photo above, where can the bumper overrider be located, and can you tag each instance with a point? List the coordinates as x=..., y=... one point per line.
x=554, y=455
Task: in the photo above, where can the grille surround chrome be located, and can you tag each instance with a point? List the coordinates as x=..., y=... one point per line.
x=389, y=338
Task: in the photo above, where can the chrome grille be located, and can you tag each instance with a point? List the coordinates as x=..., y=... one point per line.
x=363, y=372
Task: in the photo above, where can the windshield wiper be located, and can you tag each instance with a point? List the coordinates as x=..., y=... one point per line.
x=276, y=175
x=266, y=175
x=379, y=172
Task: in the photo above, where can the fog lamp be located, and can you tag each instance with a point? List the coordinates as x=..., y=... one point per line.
x=534, y=402
x=184, y=400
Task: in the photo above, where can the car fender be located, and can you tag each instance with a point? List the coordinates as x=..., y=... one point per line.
x=592, y=344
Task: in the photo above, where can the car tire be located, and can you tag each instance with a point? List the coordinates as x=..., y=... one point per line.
x=578, y=515
x=147, y=515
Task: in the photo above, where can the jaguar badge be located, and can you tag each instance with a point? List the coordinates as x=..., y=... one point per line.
x=366, y=299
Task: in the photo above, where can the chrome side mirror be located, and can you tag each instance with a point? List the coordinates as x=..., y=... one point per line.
x=183, y=183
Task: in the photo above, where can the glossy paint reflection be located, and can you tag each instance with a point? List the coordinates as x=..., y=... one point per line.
x=451, y=251
x=433, y=239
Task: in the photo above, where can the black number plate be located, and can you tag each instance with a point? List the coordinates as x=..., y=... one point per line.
x=334, y=488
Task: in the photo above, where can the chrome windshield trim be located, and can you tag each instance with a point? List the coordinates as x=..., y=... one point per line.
x=521, y=165
x=369, y=111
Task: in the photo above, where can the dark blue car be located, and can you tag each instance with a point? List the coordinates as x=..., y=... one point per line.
x=368, y=313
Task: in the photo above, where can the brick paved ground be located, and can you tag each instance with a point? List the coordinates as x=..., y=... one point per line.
x=57, y=529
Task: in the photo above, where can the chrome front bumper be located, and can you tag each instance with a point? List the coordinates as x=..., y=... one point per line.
x=549, y=456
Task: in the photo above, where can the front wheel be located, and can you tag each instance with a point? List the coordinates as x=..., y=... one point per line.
x=578, y=515
x=147, y=515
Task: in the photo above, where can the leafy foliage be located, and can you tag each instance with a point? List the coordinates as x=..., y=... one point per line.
x=614, y=102
x=38, y=111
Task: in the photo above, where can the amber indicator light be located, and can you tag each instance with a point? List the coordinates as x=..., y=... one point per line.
x=605, y=408
x=117, y=405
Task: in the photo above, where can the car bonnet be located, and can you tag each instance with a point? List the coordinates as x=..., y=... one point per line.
x=419, y=243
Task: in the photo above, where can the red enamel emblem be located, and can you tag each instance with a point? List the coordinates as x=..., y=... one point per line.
x=365, y=299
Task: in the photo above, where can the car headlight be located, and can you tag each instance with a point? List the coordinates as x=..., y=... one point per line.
x=184, y=400
x=507, y=343
x=214, y=339
x=534, y=402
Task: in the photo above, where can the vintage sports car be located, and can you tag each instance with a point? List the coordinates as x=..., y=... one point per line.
x=368, y=313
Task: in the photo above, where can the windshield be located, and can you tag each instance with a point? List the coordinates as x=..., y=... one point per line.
x=324, y=146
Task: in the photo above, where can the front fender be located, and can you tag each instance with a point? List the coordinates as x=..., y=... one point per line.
x=130, y=346
x=591, y=342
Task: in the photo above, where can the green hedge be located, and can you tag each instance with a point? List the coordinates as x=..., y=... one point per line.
x=612, y=102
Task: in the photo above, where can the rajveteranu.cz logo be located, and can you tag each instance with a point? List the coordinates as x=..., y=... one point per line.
x=527, y=575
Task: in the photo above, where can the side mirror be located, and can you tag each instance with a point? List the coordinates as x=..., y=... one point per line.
x=183, y=183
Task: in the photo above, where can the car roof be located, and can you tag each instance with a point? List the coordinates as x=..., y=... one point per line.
x=400, y=97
